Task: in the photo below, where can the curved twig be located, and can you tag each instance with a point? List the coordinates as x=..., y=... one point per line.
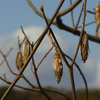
x=37, y=89
x=86, y=87
x=24, y=88
x=61, y=13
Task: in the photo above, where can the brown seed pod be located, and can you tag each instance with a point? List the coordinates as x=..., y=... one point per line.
x=97, y=18
x=57, y=66
x=84, y=47
x=26, y=51
x=97, y=13
x=19, y=62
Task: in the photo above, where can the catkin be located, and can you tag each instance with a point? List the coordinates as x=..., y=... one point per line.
x=84, y=47
x=26, y=51
x=57, y=66
x=19, y=62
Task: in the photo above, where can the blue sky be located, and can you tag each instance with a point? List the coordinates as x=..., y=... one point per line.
x=13, y=14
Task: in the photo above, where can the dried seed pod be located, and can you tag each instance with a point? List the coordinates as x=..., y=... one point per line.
x=57, y=66
x=97, y=13
x=26, y=51
x=84, y=47
x=19, y=62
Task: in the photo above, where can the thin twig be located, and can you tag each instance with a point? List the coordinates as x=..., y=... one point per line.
x=72, y=15
x=44, y=57
x=71, y=73
x=61, y=54
x=90, y=12
x=22, y=76
x=7, y=63
x=24, y=88
x=87, y=24
x=25, y=34
x=79, y=17
x=37, y=80
x=86, y=87
x=35, y=48
x=82, y=31
x=61, y=13
x=35, y=10
x=37, y=89
x=6, y=55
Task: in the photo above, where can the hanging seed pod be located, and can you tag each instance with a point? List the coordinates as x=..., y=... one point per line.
x=84, y=47
x=26, y=51
x=97, y=13
x=19, y=62
x=57, y=66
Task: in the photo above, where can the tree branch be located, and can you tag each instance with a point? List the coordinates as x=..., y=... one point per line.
x=61, y=13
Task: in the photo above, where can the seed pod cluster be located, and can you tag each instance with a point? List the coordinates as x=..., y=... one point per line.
x=22, y=57
x=26, y=51
x=57, y=66
x=19, y=62
x=84, y=47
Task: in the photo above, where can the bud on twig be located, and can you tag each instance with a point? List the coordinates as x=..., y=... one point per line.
x=57, y=66
x=41, y=8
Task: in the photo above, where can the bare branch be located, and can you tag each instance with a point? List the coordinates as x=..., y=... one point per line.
x=61, y=13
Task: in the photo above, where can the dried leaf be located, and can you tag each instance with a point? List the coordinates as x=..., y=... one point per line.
x=57, y=66
x=26, y=51
x=84, y=47
x=19, y=62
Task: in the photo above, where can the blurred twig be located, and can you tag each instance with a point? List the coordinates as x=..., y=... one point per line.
x=79, y=17
x=72, y=15
x=44, y=57
x=5, y=55
x=63, y=12
x=82, y=31
x=87, y=24
x=86, y=87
